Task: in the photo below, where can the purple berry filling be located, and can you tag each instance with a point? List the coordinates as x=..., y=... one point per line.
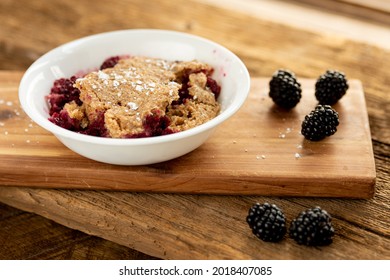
x=97, y=127
x=154, y=125
x=63, y=120
x=213, y=86
x=61, y=93
x=183, y=91
x=110, y=62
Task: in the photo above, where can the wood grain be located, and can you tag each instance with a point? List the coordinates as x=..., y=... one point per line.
x=331, y=17
x=55, y=242
x=259, y=151
x=203, y=227
x=176, y=226
x=373, y=10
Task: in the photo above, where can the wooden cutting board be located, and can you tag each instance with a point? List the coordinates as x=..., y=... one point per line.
x=258, y=151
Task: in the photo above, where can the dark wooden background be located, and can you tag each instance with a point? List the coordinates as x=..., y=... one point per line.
x=31, y=28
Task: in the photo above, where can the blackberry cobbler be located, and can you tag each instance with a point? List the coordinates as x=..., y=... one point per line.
x=134, y=97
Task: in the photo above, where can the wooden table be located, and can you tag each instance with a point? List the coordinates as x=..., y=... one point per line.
x=75, y=224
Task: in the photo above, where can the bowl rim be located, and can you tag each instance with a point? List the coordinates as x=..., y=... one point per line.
x=62, y=132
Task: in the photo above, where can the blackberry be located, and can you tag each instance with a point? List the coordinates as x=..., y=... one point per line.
x=267, y=222
x=312, y=227
x=330, y=87
x=320, y=123
x=284, y=89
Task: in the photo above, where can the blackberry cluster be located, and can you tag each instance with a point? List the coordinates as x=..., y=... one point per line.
x=284, y=89
x=320, y=123
x=330, y=87
x=267, y=222
x=312, y=227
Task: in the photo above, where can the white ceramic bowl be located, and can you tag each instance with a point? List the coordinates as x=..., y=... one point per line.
x=89, y=52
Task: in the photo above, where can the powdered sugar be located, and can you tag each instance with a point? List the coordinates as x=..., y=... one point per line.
x=132, y=105
x=103, y=75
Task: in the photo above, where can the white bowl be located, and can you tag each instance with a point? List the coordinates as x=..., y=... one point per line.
x=89, y=52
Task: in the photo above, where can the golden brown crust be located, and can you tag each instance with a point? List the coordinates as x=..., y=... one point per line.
x=137, y=86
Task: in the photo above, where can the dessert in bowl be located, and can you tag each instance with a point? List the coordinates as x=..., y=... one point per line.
x=85, y=56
